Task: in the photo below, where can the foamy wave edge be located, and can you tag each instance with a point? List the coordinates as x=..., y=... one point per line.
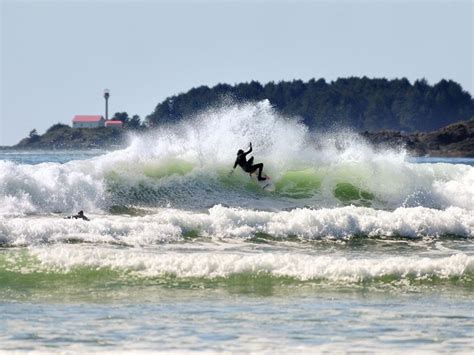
x=171, y=225
x=211, y=265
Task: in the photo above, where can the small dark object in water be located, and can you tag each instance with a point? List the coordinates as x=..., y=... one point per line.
x=79, y=215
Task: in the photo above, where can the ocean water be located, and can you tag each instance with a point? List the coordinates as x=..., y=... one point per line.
x=357, y=249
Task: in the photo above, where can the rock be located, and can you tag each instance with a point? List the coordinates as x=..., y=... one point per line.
x=455, y=140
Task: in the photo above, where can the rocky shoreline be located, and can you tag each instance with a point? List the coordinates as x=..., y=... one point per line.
x=455, y=140
x=63, y=137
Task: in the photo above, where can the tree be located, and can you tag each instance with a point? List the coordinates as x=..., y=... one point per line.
x=358, y=103
x=57, y=126
x=134, y=123
x=33, y=136
x=121, y=116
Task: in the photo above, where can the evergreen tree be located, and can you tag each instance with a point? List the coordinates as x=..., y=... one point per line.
x=359, y=103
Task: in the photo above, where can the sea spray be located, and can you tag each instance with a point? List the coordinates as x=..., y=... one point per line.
x=185, y=166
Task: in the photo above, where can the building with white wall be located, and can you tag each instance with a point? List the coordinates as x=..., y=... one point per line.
x=114, y=123
x=88, y=121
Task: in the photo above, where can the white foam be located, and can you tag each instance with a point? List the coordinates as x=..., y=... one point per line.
x=224, y=264
x=169, y=225
x=207, y=144
x=47, y=187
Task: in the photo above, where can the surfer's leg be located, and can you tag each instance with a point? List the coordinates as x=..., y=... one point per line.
x=249, y=168
x=259, y=167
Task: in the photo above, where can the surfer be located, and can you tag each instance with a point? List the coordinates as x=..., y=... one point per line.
x=247, y=165
x=79, y=215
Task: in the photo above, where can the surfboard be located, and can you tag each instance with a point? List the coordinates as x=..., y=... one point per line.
x=267, y=185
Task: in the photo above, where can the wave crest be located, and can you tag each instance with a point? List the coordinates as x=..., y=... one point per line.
x=186, y=166
x=171, y=225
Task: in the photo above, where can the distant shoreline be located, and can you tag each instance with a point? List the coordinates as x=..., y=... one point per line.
x=384, y=112
x=455, y=140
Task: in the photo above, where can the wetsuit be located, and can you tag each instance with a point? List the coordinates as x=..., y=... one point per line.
x=248, y=166
x=79, y=215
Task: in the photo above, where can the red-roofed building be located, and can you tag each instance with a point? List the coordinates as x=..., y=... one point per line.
x=88, y=121
x=113, y=123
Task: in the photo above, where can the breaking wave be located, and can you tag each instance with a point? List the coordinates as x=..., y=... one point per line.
x=186, y=165
x=172, y=225
x=227, y=265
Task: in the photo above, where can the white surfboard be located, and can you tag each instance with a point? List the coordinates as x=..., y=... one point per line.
x=267, y=184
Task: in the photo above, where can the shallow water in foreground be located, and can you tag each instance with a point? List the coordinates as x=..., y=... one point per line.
x=275, y=319
x=269, y=297
x=356, y=251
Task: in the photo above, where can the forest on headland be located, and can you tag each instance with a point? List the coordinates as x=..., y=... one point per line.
x=361, y=104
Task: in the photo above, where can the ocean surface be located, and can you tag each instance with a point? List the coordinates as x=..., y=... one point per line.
x=357, y=250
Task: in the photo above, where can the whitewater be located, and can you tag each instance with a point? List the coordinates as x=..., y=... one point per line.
x=357, y=249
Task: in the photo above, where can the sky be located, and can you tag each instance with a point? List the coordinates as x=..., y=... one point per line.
x=57, y=57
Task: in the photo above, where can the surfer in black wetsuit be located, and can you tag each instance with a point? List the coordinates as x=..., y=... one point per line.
x=79, y=215
x=247, y=165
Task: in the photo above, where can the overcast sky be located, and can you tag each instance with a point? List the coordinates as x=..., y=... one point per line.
x=58, y=56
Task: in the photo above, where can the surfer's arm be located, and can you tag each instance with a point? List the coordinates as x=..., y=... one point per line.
x=236, y=163
x=232, y=171
x=250, y=150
